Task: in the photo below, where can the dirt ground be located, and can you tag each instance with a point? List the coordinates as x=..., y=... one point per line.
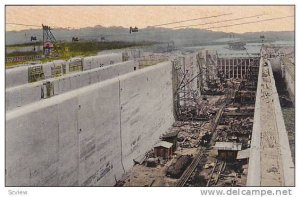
x=141, y=175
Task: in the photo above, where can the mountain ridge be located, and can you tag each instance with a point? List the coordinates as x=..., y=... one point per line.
x=188, y=36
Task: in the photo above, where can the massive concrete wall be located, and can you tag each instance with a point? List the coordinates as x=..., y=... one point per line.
x=279, y=67
x=254, y=172
x=55, y=142
x=146, y=110
x=89, y=136
x=31, y=92
x=19, y=76
x=290, y=83
x=16, y=76
x=285, y=151
x=276, y=65
x=256, y=166
x=101, y=60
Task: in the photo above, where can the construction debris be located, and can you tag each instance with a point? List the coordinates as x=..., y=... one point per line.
x=152, y=162
x=215, y=127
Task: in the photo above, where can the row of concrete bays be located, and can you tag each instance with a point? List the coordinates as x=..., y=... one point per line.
x=27, y=93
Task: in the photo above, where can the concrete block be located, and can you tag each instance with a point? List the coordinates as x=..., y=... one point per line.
x=87, y=63
x=12, y=98
x=99, y=140
x=16, y=76
x=101, y=60
x=68, y=143
x=30, y=94
x=94, y=76
x=64, y=85
x=32, y=146
x=47, y=69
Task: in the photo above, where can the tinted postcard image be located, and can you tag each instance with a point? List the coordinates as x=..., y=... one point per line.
x=174, y=96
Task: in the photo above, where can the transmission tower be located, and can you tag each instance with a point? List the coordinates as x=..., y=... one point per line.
x=48, y=40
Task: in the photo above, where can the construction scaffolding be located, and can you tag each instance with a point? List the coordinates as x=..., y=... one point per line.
x=188, y=103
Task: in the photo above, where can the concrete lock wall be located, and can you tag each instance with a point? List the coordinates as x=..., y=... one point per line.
x=89, y=136
x=55, y=142
x=254, y=171
x=19, y=76
x=101, y=60
x=290, y=83
x=147, y=109
x=287, y=164
x=31, y=92
x=16, y=76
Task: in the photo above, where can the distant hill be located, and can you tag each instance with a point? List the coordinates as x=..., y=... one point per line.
x=186, y=37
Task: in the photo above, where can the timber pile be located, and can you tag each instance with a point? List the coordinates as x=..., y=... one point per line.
x=176, y=169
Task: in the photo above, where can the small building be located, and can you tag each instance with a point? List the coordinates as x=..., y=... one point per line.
x=228, y=150
x=172, y=138
x=48, y=48
x=243, y=155
x=48, y=45
x=163, y=149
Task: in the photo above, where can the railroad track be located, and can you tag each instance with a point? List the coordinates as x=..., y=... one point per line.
x=215, y=173
x=188, y=172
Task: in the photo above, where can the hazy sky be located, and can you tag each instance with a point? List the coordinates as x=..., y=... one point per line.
x=143, y=16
